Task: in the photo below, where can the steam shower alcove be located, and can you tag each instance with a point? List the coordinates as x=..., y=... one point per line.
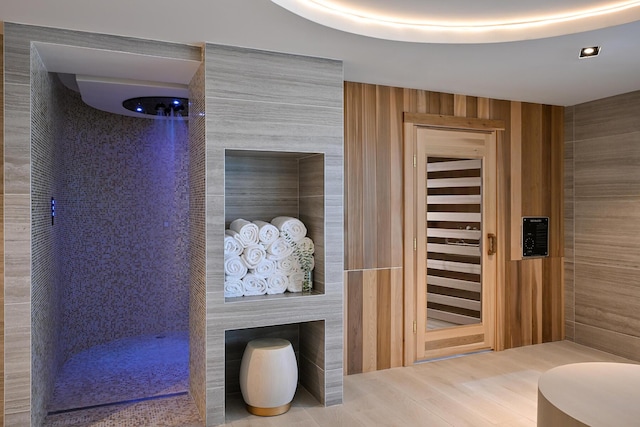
x=121, y=238
x=111, y=272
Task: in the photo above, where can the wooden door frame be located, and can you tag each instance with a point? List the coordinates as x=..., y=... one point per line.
x=411, y=122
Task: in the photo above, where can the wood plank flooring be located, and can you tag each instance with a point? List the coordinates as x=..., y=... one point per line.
x=485, y=389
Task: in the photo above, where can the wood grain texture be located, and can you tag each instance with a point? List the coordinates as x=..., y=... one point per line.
x=460, y=105
x=374, y=320
x=354, y=326
x=369, y=167
x=480, y=390
x=369, y=320
x=439, y=120
x=543, y=125
x=353, y=177
x=515, y=178
x=383, y=333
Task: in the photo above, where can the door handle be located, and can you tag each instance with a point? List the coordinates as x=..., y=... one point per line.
x=493, y=244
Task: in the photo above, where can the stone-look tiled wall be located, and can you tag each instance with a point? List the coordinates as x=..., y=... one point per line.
x=602, y=140
x=569, y=226
x=46, y=125
x=21, y=383
x=123, y=217
x=197, y=233
x=274, y=102
x=1, y=234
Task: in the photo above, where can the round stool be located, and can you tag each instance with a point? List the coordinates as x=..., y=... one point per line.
x=268, y=376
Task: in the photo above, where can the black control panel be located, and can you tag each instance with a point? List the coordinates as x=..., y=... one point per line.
x=535, y=236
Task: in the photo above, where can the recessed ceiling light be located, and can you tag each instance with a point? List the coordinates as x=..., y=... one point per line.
x=589, y=52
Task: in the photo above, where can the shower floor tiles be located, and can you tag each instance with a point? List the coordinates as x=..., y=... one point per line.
x=175, y=411
x=104, y=385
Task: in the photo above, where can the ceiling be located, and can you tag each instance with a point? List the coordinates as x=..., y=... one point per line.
x=457, y=57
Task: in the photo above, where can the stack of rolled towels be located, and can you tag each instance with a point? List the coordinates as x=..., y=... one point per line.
x=260, y=258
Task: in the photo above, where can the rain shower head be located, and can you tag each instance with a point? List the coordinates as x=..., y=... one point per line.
x=158, y=106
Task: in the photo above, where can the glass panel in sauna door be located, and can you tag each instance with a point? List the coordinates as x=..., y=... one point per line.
x=454, y=230
x=455, y=193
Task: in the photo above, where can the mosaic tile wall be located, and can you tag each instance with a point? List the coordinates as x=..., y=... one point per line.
x=22, y=385
x=45, y=162
x=123, y=214
x=197, y=233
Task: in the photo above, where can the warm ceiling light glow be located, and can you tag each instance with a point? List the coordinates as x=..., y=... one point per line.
x=335, y=15
x=589, y=52
x=333, y=7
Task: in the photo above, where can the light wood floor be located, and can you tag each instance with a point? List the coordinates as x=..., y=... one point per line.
x=486, y=389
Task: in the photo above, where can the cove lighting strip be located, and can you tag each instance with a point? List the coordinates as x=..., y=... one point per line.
x=336, y=16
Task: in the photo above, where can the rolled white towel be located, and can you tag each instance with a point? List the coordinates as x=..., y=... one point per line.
x=233, y=287
x=277, y=283
x=279, y=249
x=286, y=265
x=266, y=268
x=253, y=255
x=254, y=285
x=306, y=244
x=247, y=231
x=267, y=233
x=232, y=246
x=291, y=226
x=235, y=267
x=295, y=282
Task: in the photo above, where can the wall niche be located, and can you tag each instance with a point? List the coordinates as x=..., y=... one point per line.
x=262, y=185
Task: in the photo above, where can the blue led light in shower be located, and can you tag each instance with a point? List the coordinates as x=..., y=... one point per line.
x=53, y=210
x=139, y=109
x=176, y=102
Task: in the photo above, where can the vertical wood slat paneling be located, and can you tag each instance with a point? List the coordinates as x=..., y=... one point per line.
x=532, y=173
x=396, y=313
x=353, y=176
x=459, y=105
x=383, y=338
x=515, y=178
x=528, y=178
x=396, y=182
x=369, y=183
x=383, y=175
x=369, y=320
x=373, y=338
x=354, y=327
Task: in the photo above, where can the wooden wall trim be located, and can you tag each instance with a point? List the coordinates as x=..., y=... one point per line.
x=451, y=122
x=516, y=179
x=409, y=253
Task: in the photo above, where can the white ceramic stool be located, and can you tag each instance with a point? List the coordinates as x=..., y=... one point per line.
x=268, y=376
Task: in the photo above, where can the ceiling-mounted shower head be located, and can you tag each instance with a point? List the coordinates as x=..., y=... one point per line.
x=157, y=106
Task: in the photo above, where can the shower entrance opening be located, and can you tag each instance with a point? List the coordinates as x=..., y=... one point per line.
x=121, y=239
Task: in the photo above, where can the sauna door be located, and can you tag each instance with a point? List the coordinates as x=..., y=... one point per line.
x=454, y=246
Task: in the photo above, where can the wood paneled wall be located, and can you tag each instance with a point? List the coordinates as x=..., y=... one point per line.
x=530, y=168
